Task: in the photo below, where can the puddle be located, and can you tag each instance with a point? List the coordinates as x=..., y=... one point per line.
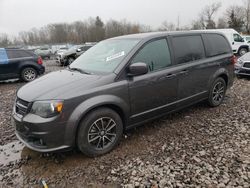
x=10, y=152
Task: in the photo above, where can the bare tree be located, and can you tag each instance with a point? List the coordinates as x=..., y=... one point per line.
x=235, y=17
x=4, y=40
x=222, y=23
x=206, y=17
x=208, y=12
x=246, y=9
x=167, y=26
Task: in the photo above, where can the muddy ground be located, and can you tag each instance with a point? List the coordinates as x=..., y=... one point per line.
x=196, y=147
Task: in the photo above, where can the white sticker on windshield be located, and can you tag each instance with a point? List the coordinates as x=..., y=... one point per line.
x=117, y=55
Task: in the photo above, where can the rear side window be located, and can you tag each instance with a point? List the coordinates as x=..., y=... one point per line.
x=12, y=54
x=155, y=54
x=188, y=48
x=216, y=45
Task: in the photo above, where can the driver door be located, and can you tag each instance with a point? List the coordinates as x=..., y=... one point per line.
x=153, y=94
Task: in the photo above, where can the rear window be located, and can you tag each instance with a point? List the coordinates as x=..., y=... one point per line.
x=12, y=54
x=216, y=45
x=188, y=48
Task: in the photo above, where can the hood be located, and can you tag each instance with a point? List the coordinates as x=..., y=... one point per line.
x=245, y=57
x=54, y=85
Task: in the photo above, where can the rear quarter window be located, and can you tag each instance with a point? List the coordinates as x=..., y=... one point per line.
x=188, y=48
x=12, y=54
x=216, y=44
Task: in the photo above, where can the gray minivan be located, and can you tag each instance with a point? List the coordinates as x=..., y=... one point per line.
x=120, y=83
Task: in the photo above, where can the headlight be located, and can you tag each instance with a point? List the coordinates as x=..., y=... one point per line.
x=240, y=62
x=47, y=109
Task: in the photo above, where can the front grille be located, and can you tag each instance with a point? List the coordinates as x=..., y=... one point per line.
x=246, y=65
x=22, y=107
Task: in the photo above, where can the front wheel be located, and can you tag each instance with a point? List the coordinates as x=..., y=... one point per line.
x=217, y=92
x=28, y=74
x=99, y=132
x=242, y=51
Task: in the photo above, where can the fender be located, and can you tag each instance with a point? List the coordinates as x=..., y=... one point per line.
x=82, y=109
x=219, y=72
x=27, y=63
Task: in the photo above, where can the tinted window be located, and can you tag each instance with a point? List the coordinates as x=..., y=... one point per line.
x=188, y=48
x=216, y=45
x=18, y=53
x=155, y=54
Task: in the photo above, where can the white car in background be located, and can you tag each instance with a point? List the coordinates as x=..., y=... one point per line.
x=237, y=42
x=43, y=52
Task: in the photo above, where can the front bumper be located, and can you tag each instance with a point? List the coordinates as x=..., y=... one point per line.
x=40, y=134
x=242, y=71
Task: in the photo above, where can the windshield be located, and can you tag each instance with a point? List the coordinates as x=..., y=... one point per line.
x=105, y=56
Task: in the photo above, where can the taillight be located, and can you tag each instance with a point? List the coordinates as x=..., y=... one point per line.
x=39, y=61
x=234, y=59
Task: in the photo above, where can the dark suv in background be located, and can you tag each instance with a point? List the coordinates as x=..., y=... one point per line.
x=120, y=83
x=18, y=63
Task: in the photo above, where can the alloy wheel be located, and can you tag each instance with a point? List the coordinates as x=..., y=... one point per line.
x=218, y=92
x=29, y=74
x=102, y=133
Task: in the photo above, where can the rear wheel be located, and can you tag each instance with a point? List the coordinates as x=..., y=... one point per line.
x=99, y=132
x=28, y=74
x=217, y=92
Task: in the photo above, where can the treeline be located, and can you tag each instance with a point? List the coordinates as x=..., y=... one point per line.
x=94, y=29
x=90, y=30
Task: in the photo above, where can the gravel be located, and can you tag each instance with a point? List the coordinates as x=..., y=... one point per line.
x=196, y=147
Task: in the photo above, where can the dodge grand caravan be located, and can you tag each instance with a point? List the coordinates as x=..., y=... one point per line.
x=120, y=83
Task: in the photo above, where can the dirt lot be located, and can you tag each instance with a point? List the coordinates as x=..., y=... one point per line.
x=197, y=147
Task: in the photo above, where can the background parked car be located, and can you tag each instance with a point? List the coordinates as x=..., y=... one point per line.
x=44, y=52
x=242, y=67
x=19, y=63
x=247, y=38
x=84, y=48
x=68, y=56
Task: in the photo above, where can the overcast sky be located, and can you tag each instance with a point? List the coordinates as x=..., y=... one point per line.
x=18, y=15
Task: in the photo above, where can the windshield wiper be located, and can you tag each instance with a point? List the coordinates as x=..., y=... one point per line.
x=79, y=70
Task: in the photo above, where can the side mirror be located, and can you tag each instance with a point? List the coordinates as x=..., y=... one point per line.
x=137, y=69
x=78, y=50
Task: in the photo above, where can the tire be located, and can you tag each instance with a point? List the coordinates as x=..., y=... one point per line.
x=242, y=51
x=99, y=132
x=217, y=92
x=28, y=74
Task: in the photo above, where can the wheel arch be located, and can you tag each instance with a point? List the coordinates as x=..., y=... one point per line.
x=223, y=73
x=82, y=110
x=26, y=65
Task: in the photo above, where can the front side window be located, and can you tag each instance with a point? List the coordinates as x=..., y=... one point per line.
x=238, y=38
x=188, y=48
x=155, y=54
x=105, y=56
